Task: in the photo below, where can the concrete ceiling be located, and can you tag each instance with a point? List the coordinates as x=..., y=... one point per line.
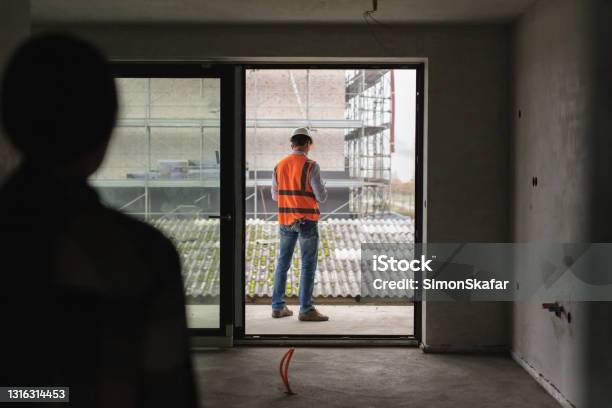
x=273, y=11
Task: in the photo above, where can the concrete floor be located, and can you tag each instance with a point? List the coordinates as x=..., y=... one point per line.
x=343, y=320
x=364, y=377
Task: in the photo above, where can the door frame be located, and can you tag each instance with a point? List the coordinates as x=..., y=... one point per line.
x=228, y=210
x=240, y=305
x=232, y=74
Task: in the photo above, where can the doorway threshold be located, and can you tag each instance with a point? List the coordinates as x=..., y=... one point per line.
x=327, y=341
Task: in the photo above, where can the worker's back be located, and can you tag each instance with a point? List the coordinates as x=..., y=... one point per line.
x=297, y=186
x=296, y=198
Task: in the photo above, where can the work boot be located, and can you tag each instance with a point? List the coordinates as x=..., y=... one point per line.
x=313, y=315
x=284, y=312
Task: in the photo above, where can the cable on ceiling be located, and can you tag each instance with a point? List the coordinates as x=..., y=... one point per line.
x=372, y=22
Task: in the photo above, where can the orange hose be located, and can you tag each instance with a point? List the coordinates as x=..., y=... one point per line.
x=284, y=370
x=280, y=368
x=289, y=391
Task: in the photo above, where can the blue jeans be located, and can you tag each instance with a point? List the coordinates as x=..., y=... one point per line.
x=308, y=234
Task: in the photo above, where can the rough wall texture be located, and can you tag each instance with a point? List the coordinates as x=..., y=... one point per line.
x=468, y=123
x=467, y=173
x=14, y=27
x=561, y=136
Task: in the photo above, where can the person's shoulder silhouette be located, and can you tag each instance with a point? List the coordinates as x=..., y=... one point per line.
x=91, y=298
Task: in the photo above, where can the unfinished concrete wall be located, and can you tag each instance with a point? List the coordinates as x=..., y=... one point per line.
x=561, y=136
x=468, y=123
x=14, y=27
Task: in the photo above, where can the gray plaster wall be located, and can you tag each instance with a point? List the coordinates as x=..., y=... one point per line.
x=467, y=114
x=561, y=89
x=14, y=27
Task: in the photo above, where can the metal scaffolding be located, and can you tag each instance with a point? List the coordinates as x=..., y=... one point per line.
x=367, y=125
x=368, y=148
x=362, y=106
x=255, y=121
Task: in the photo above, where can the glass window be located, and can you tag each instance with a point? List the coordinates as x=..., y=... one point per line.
x=163, y=167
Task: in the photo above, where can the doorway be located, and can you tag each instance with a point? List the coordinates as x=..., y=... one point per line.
x=192, y=156
x=366, y=126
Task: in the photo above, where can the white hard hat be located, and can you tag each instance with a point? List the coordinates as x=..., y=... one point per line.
x=301, y=131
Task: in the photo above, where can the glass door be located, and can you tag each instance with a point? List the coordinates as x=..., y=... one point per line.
x=365, y=124
x=169, y=164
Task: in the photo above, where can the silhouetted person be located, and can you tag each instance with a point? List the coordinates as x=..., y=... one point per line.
x=90, y=298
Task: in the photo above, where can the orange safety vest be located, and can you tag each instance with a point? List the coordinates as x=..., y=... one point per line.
x=295, y=196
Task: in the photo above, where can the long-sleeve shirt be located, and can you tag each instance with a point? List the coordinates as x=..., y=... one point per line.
x=316, y=182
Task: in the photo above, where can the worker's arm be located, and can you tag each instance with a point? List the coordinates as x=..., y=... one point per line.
x=274, y=188
x=317, y=183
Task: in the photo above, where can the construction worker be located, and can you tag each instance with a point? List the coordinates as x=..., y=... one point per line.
x=298, y=188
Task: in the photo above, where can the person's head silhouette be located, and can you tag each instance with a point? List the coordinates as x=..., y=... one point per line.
x=58, y=103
